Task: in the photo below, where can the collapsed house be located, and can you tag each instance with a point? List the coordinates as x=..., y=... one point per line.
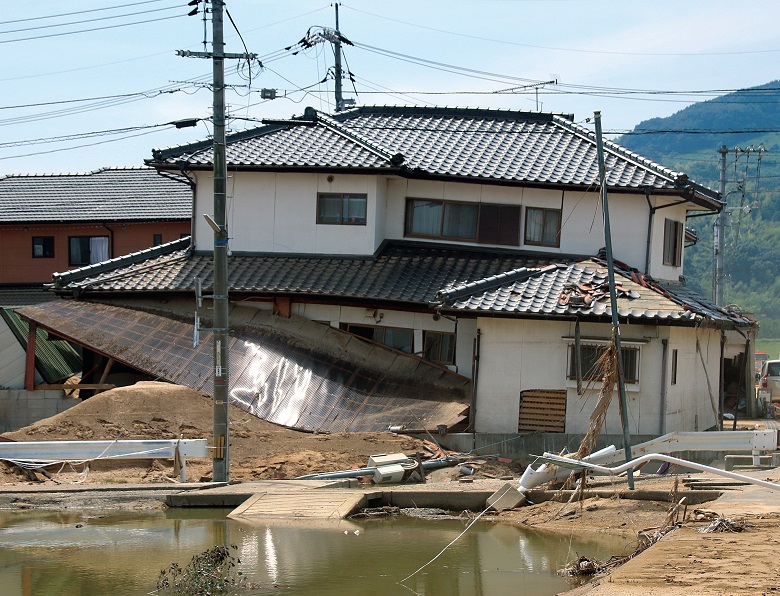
x=461, y=249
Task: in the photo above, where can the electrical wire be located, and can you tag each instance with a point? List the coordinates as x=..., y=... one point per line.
x=98, y=19
x=69, y=14
x=64, y=33
x=559, y=49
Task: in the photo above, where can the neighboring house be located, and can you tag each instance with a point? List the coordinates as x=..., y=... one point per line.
x=56, y=222
x=471, y=238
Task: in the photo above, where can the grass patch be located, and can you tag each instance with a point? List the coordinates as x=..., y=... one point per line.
x=770, y=345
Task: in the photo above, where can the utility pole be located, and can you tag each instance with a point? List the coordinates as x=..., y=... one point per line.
x=220, y=455
x=719, y=241
x=337, y=51
x=613, y=297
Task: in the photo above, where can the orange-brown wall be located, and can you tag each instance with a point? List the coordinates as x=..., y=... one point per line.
x=17, y=265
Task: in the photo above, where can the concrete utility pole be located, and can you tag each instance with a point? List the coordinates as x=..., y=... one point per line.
x=220, y=456
x=337, y=52
x=613, y=297
x=719, y=241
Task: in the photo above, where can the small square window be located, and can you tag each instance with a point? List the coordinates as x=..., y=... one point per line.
x=542, y=226
x=157, y=240
x=43, y=247
x=341, y=209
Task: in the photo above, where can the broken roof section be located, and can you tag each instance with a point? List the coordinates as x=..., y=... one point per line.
x=55, y=360
x=477, y=145
x=581, y=289
x=295, y=372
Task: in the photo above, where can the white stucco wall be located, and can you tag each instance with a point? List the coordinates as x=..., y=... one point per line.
x=270, y=212
x=276, y=212
x=657, y=268
x=522, y=355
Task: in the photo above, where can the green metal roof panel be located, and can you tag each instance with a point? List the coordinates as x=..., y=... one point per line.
x=55, y=360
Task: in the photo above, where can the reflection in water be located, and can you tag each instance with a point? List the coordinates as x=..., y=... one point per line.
x=270, y=557
x=43, y=553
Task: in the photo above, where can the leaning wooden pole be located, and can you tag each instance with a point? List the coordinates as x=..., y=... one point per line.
x=613, y=296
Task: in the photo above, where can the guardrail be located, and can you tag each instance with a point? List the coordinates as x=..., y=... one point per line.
x=37, y=454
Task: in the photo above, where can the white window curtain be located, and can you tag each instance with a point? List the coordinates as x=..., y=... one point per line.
x=98, y=249
x=424, y=217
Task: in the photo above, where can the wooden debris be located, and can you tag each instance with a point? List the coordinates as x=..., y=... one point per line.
x=724, y=524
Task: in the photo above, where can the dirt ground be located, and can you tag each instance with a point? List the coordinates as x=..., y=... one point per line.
x=684, y=561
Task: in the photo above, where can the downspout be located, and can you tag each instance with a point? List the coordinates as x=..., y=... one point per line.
x=577, y=356
x=664, y=354
x=111, y=242
x=193, y=187
x=650, y=221
x=474, y=379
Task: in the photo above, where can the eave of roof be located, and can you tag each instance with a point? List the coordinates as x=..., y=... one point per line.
x=418, y=276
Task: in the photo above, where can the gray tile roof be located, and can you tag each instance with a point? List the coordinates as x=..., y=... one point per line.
x=400, y=272
x=464, y=281
x=498, y=146
x=110, y=194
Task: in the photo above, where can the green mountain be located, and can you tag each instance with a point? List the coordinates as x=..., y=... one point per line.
x=747, y=122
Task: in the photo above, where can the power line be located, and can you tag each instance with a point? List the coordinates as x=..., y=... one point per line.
x=69, y=14
x=64, y=33
x=118, y=16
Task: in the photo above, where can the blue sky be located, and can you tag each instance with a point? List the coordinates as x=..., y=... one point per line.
x=600, y=51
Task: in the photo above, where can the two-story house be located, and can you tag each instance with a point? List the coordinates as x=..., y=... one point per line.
x=470, y=238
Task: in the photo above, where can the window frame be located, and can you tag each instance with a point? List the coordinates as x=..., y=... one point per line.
x=157, y=239
x=674, y=233
x=321, y=196
x=47, y=247
x=545, y=211
x=507, y=226
x=631, y=351
x=428, y=341
x=89, y=260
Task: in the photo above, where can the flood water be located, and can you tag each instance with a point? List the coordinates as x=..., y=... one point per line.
x=64, y=554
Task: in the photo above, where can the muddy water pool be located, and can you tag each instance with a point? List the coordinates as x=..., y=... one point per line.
x=70, y=553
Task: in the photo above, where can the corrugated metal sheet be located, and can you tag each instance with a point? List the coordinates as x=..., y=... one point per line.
x=277, y=377
x=55, y=361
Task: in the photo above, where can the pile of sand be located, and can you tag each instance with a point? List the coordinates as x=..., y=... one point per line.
x=153, y=410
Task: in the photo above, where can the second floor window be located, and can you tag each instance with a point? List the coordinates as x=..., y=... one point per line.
x=157, y=240
x=673, y=242
x=542, y=226
x=43, y=247
x=87, y=250
x=341, y=209
x=476, y=222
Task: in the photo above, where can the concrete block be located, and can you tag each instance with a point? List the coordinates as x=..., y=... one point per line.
x=506, y=497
